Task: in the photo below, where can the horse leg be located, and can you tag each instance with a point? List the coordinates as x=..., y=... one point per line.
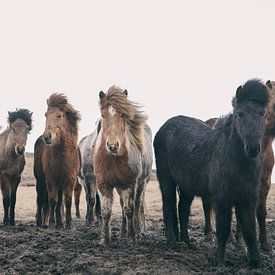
x=207, y=217
x=107, y=201
x=261, y=214
x=246, y=215
x=238, y=234
x=59, y=223
x=53, y=197
x=139, y=217
x=14, y=185
x=97, y=207
x=128, y=206
x=223, y=227
x=184, y=212
x=39, y=203
x=68, y=192
x=77, y=193
x=123, y=230
x=6, y=192
x=45, y=207
x=168, y=192
x=90, y=199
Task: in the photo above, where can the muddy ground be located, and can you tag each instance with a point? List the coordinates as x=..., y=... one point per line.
x=27, y=249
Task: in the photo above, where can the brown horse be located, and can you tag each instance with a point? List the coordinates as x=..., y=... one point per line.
x=57, y=161
x=12, y=160
x=122, y=160
x=268, y=163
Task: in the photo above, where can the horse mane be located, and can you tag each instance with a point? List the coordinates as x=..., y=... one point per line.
x=23, y=114
x=60, y=101
x=252, y=90
x=224, y=121
x=134, y=117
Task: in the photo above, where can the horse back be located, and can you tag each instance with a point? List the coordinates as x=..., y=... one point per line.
x=182, y=149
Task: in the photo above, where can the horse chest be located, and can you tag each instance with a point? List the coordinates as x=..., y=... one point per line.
x=115, y=174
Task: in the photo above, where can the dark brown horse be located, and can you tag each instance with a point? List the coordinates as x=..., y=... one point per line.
x=12, y=160
x=57, y=161
x=267, y=166
x=122, y=160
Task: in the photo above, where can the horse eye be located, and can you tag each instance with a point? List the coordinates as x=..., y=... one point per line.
x=59, y=116
x=122, y=115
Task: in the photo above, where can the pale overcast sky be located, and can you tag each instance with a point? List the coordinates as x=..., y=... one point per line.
x=174, y=57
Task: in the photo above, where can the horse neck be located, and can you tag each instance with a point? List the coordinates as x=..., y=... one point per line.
x=235, y=144
x=66, y=141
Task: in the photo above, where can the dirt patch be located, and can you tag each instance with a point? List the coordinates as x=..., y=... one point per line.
x=25, y=248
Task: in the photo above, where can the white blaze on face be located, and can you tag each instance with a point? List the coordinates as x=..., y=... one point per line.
x=112, y=112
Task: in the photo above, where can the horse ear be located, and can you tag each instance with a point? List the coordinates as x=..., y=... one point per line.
x=269, y=84
x=125, y=92
x=31, y=113
x=102, y=95
x=239, y=93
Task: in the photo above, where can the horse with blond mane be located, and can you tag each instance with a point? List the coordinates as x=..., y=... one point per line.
x=122, y=160
x=12, y=160
x=57, y=162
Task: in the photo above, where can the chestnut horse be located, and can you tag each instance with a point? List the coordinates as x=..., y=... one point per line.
x=57, y=162
x=12, y=160
x=267, y=166
x=122, y=160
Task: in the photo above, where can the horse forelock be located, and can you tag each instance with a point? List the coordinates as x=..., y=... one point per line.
x=60, y=101
x=133, y=116
x=253, y=90
x=23, y=114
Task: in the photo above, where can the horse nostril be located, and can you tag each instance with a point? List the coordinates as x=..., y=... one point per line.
x=113, y=148
x=253, y=149
x=20, y=151
x=47, y=139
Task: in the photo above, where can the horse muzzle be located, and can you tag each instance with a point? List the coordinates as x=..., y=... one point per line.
x=47, y=139
x=113, y=148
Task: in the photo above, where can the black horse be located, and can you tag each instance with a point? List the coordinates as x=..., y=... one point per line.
x=221, y=165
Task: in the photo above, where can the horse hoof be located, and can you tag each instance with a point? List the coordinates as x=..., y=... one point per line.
x=78, y=216
x=209, y=238
x=68, y=226
x=51, y=226
x=104, y=242
x=219, y=263
x=60, y=226
x=89, y=222
x=12, y=223
x=131, y=241
x=255, y=263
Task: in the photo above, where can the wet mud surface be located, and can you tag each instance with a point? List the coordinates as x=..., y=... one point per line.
x=26, y=249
